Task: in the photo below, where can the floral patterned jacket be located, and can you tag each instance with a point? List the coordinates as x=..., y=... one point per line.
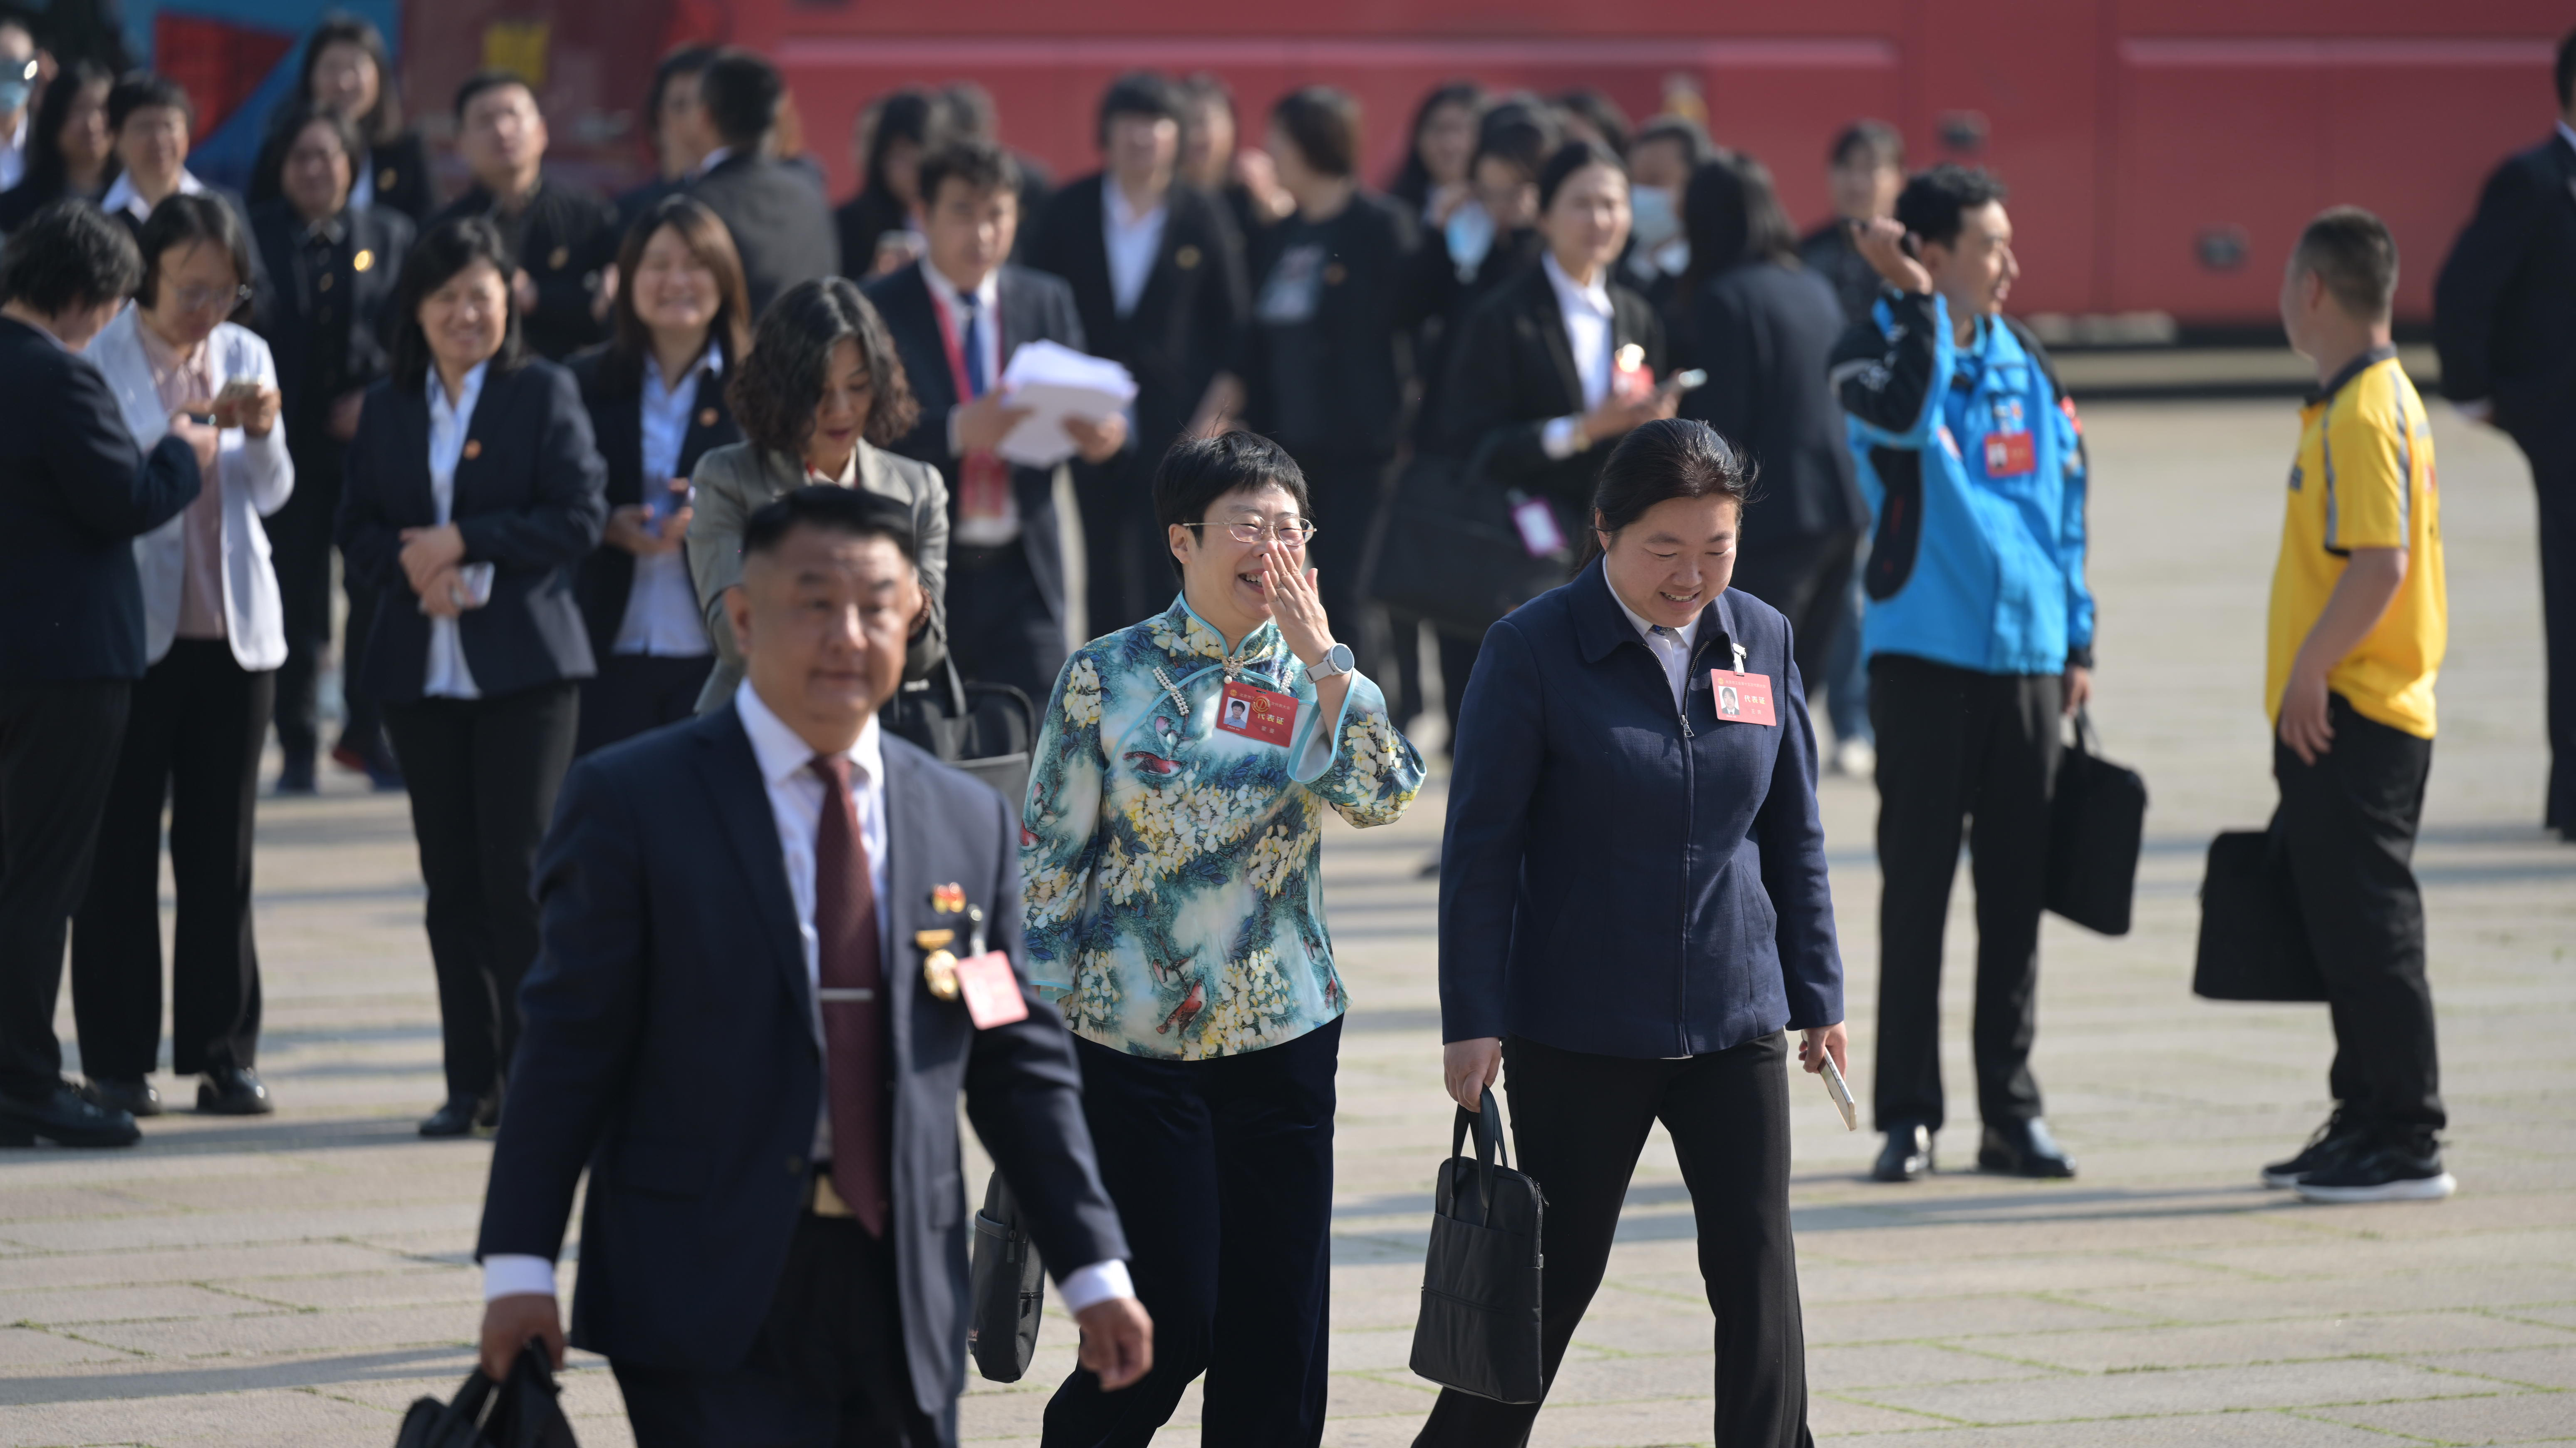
x=1174, y=899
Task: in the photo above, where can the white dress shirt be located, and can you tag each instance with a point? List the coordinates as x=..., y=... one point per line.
x=1134, y=241
x=796, y=805
x=1587, y=314
x=1671, y=646
x=1001, y=526
x=449, y=678
x=123, y=197
x=662, y=617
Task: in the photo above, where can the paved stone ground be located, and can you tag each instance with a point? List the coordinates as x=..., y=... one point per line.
x=296, y=1281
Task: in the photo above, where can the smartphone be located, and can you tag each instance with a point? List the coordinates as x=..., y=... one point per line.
x=658, y=507
x=236, y=398
x=1684, y=381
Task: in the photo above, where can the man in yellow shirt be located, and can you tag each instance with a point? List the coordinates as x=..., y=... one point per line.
x=2358, y=624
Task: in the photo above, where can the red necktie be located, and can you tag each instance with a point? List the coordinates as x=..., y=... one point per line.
x=845, y=932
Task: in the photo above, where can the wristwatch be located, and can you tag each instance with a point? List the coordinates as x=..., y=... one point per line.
x=1336, y=662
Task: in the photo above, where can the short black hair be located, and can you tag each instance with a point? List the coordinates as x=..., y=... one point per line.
x=1931, y=204
x=1139, y=93
x=2352, y=252
x=1878, y=138
x=443, y=251
x=975, y=161
x=69, y=254
x=142, y=90
x=683, y=60
x=852, y=512
x=742, y=93
x=1199, y=470
x=181, y=220
x=1571, y=157
x=489, y=78
x=1689, y=134
x=1516, y=134
x=1732, y=214
x=1600, y=113
x=2566, y=72
x=1324, y=124
x=295, y=120
x=1673, y=457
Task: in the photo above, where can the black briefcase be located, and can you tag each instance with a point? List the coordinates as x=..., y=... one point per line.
x=2253, y=946
x=1452, y=554
x=2094, y=828
x=519, y=1413
x=986, y=730
x=1006, y=1288
x=1478, y=1330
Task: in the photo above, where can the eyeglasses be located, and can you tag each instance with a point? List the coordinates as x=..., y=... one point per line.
x=1291, y=531
x=199, y=299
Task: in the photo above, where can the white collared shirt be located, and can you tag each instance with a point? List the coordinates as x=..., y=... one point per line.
x=449, y=678
x=1587, y=313
x=123, y=197
x=1134, y=242
x=1670, y=646
x=988, y=325
x=796, y=801
x=662, y=617
x=715, y=158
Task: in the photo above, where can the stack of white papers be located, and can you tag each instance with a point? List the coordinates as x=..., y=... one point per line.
x=1055, y=382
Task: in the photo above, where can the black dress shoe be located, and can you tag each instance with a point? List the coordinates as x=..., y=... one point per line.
x=1906, y=1157
x=2024, y=1149
x=456, y=1118
x=233, y=1091
x=134, y=1096
x=67, y=1117
x=296, y=775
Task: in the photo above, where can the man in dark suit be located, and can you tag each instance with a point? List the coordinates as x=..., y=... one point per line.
x=564, y=238
x=1157, y=272
x=957, y=315
x=779, y=220
x=776, y=1252
x=74, y=493
x=334, y=266
x=2504, y=319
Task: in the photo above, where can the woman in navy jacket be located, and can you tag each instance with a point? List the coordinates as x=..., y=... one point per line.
x=474, y=489
x=1634, y=913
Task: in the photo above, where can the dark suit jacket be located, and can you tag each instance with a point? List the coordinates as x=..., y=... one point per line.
x=858, y=222
x=1330, y=382
x=1434, y=301
x=400, y=166
x=2504, y=308
x=563, y=238
x=631, y=204
x=670, y=1048
x=330, y=337
x=1828, y=252
x=74, y=493
x=779, y=222
x=1511, y=369
x=528, y=499
x=607, y=575
x=1188, y=321
x=1764, y=332
x=1035, y=307
x=1583, y=809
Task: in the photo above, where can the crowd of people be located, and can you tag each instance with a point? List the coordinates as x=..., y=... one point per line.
x=645, y=507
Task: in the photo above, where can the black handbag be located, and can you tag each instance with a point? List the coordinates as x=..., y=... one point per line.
x=2094, y=828
x=2253, y=946
x=987, y=730
x=1478, y=1330
x=520, y=1413
x=1006, y=1288
x=1451, y=553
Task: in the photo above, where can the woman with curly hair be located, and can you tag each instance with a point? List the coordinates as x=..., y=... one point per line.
x=818, y=399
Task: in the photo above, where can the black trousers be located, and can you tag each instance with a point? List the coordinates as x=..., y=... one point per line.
x=483, y=775
x=1457, y=661
x=1001, y=629
x=299, y=537
x=1578, y=1122
x=2348, y=822
x=58, y=747
x=827, y=1371
x=1347, y=495
x=1954, y=745
x=192, y=739
x=1808, y=578
x=1222, y=1172
x=634, y=693
x=2552, y=453
x=1127, y=560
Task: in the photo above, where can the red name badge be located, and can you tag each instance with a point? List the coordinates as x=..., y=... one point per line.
x=1742, y=698
x=990, y=990
x=1257, y=714
x=2009, y=454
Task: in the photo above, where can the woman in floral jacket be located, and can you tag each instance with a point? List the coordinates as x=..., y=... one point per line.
x=1172, y=845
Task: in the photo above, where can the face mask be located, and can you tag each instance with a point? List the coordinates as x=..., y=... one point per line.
x=17, y=82
x=1654, y=216
x=1470, y=234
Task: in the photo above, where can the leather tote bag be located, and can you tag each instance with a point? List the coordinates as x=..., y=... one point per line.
x=519, y=1413
x=1006, y=1288
x=1452, y=553
x=986, y=730
x=2095, y=825
x=2253, y=946
x=1478, y=1330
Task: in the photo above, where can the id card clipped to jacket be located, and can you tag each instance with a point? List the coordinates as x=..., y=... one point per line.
x=1742, y=698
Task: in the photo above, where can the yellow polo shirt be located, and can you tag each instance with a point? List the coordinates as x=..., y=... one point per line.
x=2364, y=479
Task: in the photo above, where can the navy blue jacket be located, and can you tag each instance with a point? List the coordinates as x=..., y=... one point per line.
x=1620, y=879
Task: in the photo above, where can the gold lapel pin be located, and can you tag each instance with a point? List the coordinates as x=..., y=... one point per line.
x=1186, y=258
x=707, y=417
x=386, y=178
x=562, y=256
x=948, y=899
x=939, y=975
x=932, y=939
x=473, y=448
x=364, y=261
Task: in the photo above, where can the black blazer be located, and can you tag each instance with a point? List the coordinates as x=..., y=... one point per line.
x=1035, y=307
x=1512, y=369
x=1326, y=361
x=1188, y=321
x=779, y=222
x=528, y=499
x=1434, y=301
x=607, y=574
x=2504, y=308
x=74, y=493
x=564, y=237
x=21, y=202
x=1828, y=252
x=400, y=167
x=857, y=223
x=332, y=321
x=1763, y=333
x=669, y=942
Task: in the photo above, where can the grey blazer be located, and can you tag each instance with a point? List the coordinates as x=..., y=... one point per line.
x=732, y=482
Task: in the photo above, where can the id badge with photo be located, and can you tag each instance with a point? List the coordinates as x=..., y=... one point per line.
x=1743, y=698
x=991, y=991
x=1261, y=714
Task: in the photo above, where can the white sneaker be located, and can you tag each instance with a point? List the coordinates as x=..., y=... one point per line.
x=1856, y=758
